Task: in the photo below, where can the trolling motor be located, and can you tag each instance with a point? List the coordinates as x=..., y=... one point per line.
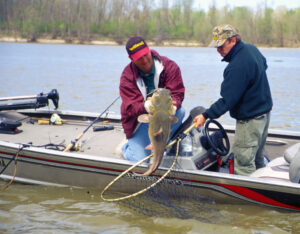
x=29, y=102
x=24, y=102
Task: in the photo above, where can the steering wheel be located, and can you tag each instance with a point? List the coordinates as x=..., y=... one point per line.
x=220, y=149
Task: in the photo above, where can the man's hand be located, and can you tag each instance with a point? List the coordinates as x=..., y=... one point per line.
x=174, y=107
x=147, y=104
x=199, y=120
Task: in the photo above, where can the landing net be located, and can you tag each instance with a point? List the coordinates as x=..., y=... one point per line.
x=168, y=198
x=163, y=196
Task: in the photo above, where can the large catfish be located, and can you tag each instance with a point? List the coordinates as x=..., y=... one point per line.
x=160, y=119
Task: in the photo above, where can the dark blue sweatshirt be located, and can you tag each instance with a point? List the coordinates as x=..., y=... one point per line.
x=245, y=90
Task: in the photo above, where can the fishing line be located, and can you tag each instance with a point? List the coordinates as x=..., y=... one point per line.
x=178, y=139
x=51, y=146
x=151, y=92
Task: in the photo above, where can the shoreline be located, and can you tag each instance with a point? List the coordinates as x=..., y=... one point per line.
x=178, y=43
x=97, y=42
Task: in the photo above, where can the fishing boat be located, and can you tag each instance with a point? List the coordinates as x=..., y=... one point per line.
x=47, y=146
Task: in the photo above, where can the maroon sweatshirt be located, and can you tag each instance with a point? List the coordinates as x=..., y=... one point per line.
x=132, y=98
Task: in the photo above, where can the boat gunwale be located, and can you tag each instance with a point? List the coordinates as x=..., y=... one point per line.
x=288, y=134
x=121, y=165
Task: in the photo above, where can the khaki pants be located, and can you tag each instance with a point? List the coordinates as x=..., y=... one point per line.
x=249, y=142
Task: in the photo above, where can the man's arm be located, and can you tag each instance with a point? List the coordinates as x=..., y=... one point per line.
x=132, y=99
x=174, y=83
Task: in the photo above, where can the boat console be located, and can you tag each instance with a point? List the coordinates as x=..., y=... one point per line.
x=199, y=150
x=192, y=155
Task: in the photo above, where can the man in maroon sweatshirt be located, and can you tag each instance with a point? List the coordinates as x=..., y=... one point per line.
x=146, y=72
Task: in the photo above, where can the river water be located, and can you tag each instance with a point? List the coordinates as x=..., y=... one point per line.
x=87, y=79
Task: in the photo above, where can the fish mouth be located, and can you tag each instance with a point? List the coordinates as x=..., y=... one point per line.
x=161, y=97
x=161, y=91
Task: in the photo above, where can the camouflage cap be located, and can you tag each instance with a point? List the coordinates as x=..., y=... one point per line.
x=221, y=33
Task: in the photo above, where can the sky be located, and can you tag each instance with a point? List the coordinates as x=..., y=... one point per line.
x=205, y=4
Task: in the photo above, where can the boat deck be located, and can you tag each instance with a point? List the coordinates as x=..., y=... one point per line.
x=102, y=143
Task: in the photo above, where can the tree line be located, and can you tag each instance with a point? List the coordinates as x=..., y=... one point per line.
x=158, y=21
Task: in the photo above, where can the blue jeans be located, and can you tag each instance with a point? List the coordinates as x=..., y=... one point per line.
x=134, y=150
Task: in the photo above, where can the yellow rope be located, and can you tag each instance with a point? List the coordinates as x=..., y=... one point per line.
x=138, y=163
x=15, y=171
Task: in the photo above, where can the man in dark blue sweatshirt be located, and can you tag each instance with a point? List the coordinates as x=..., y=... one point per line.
x=246, y=94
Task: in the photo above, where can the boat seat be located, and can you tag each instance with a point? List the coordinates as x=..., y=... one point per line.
x=285, y=168
x=290, y=152
x=294, y=171
x=277, y=169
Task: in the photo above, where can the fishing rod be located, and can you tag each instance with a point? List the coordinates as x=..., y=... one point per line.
x=71, y=145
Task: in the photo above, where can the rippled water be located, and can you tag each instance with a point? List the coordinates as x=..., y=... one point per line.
x=87, y=78
x=40, y=209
